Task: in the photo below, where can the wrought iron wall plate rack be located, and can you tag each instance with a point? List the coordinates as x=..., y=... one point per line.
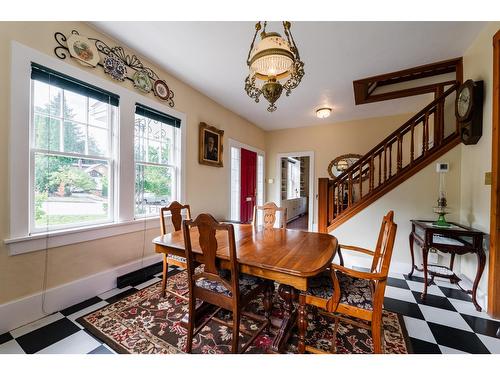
x=157, y=86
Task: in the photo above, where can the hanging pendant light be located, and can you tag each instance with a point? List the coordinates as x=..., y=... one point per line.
x=271, y=61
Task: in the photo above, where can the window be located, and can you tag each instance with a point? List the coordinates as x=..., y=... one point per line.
x=157, y=160
x=293, y=183
x=71, y=153
x=235, y=183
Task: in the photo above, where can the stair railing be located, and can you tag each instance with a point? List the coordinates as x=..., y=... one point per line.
x=406, y=147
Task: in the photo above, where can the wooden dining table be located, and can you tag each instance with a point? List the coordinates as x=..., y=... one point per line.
x=286, y=256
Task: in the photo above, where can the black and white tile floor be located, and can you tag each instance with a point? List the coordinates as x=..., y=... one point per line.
x=446, y=322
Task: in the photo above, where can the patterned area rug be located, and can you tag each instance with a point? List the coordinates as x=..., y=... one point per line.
x=144, y=322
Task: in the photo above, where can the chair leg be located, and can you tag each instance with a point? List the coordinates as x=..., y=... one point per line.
x=268, y=302
x=165, y=272
x=236, y=331
x=191, y=323
x=376, y=335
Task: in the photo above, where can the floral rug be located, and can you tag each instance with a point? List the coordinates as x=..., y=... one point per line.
x=146, y=323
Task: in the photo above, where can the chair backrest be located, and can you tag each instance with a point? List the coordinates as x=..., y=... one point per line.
x=175, y=210
x=269, y=215
x=207, y=229
x=385, y=245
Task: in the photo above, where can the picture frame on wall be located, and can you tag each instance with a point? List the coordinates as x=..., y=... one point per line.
x=211, y=145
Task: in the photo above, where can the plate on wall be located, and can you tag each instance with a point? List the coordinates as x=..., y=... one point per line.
x=142, y=81
x=83, y=50
x=161, y=89
x=115, y=67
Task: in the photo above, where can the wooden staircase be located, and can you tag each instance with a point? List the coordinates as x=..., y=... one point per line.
x=418, y=142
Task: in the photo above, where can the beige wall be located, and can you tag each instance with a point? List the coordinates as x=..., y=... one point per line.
x=327, y=142
x=476, y=159
x=207, y=187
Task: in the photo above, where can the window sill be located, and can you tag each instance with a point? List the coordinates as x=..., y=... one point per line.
x=47, y=240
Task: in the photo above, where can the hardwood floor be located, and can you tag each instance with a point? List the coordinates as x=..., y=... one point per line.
x=299, y=223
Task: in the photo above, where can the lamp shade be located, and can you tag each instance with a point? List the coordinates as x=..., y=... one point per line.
x=271, y=57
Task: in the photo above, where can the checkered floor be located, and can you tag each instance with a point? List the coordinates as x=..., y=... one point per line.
x=446, y=322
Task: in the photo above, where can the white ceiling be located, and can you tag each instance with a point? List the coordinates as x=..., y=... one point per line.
x=211, y=57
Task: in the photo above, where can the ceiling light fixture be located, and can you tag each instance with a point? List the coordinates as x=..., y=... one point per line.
x=323, y=112
x=273, y=59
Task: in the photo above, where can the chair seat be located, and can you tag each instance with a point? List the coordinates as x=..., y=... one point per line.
x=177, y=258
x=354, y=292
x=247, y=284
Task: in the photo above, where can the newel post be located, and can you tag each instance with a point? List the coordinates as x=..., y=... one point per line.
x=323, y=205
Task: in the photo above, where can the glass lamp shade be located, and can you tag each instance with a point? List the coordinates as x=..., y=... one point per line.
x=271, y=57
x=323, y=112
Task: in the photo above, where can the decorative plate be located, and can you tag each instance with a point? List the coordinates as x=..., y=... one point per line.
x=83, y=50
x=142, y=81
x=115, y=67
x=161, y=89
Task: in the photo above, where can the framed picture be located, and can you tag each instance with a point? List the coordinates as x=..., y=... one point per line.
x=211, y=145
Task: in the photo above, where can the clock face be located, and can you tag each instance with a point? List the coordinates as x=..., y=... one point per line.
x=464, y=101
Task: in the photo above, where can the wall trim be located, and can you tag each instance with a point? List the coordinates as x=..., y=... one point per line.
x=31, y=308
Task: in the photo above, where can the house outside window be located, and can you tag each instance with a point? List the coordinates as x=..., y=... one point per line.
x=71, y=153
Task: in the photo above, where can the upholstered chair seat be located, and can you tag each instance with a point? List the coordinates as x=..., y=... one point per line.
x=353, y=291
x=247, y=285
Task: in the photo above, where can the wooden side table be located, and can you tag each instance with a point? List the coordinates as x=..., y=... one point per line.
x=456, y=239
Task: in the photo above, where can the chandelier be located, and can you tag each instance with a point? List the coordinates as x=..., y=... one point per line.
x=271, y=61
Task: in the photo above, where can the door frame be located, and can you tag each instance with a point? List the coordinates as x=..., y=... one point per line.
x=312, y=182
x=229, y=162
x=494, y=258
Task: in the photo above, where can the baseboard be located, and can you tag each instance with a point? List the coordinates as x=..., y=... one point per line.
x=28, y=309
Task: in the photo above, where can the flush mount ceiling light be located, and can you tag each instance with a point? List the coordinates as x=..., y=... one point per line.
x=271, y=61
x=323, y=112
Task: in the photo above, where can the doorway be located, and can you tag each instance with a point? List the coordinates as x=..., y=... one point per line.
x=296, y=188
x=246, y=181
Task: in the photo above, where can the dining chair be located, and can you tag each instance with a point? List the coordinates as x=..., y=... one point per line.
x=344, y=293
x=231, y=291
x=269, y=215
x=175, y=209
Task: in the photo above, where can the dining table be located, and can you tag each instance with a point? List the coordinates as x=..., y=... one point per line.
x=286, y=256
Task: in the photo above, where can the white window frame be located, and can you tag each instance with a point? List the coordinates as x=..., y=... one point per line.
x=110, y=158
x=228, y=160
x=20, y=240
x=176, y=166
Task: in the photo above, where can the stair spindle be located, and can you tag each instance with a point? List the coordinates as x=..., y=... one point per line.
x=412, y=146
x=360, y=180
x=370, y=186
x=425, y=138
x=349, y=190
x=390, y=160
x=379, y=169
x=400, y=152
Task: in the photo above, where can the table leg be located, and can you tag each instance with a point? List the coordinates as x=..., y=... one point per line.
x=425, y=253
x=481, y=261
x=412, y=255
x=289, y=318
x=302, y=323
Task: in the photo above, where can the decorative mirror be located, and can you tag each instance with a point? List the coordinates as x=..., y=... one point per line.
x=341, y=163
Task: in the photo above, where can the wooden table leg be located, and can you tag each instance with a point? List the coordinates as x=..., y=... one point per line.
x=289, y=318
x=302, y=323
x=412, y=255
x=481, y=261
x=425, y=253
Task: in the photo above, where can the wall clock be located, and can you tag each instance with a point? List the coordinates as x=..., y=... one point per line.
x=469, y=111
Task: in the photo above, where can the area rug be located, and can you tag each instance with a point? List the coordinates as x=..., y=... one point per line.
x=146, y=323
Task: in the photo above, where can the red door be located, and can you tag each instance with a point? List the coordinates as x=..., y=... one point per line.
x=248, y=184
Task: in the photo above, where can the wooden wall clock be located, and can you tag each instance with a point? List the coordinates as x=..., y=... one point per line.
x=469, y=111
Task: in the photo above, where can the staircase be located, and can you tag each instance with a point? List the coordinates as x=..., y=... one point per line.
x=418, y=142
